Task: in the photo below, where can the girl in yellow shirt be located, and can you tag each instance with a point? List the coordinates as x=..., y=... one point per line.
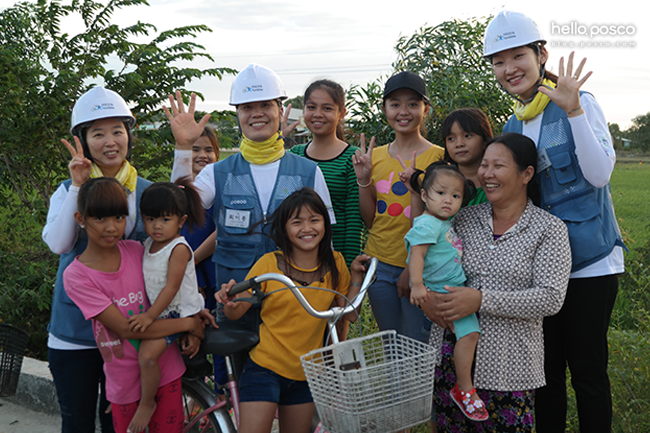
x=273, y=377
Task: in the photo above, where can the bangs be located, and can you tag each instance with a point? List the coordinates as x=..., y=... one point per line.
x=158, y=201
x=107, y=200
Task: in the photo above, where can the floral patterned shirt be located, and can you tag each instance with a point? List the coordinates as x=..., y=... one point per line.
x=523, y=276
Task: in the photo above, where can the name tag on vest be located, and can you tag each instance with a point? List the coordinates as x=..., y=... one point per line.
x=543, y=161
x=238, y=218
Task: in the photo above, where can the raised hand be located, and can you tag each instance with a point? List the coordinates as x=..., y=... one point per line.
x=79, y=166
x=362, y=161
x=284, y=126
x=566, y=95
x=184, y=127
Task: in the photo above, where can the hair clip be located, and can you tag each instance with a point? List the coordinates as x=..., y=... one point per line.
x=181, y=186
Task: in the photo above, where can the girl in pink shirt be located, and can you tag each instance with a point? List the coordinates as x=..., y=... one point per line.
x=106, y=283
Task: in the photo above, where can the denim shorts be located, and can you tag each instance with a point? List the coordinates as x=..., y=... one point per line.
x=261, y=384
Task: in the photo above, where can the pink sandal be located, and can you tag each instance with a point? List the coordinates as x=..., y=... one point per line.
x=473, y=409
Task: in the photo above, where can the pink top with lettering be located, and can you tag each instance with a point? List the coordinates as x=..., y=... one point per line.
x=93, y=292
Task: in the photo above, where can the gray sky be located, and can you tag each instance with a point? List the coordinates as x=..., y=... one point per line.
x=352, y=42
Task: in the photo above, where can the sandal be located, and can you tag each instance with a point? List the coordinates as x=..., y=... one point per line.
x=472, y=409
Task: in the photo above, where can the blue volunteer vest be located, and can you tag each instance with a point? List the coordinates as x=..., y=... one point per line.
x=587, y=211
x=67, y=322
x=237, y=210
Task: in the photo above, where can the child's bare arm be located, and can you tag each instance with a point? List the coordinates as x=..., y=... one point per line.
x=140, y=322
x=113, y=319
x=357, y=271
x=416, y=264
x=177, y=264
x=233, y=310
x=206, y=249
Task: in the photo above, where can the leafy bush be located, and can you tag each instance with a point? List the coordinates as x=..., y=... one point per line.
x=28, y=274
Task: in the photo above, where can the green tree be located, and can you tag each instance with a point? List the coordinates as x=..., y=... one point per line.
x=449, y=58
x=617, y=135
x=639, y=132
x=44, y=70
x=296, y=102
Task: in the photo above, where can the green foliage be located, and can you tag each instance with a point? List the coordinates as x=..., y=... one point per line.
x=632, y=309
x=45, y=70
x=448, y=58
x=28, y=272
x=629, y=373
x=639, y=132
x=617, y=135
x=365, y=114
x=296, y=102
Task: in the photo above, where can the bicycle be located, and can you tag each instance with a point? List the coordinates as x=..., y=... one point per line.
x=213, y=415
x=359, y=358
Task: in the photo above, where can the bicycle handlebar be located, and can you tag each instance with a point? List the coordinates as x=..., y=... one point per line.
x=328, y=314
x=242, y=286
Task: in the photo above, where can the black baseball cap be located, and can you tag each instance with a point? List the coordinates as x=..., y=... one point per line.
x=406, y=80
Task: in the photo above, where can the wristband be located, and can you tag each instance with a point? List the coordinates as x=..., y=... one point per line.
x=570, y=112
x=364, y=186
x=355, y=284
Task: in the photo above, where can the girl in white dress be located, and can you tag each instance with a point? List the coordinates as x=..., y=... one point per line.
x=169, y=276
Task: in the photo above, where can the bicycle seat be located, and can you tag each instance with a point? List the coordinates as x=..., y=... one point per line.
x=228, y=340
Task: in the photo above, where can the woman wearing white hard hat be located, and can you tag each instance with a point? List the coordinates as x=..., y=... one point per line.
x=101, y=124
x=248, y=186
x=576, y=159
x=245, y=188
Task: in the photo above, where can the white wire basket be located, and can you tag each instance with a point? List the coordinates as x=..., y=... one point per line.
x=379, y=383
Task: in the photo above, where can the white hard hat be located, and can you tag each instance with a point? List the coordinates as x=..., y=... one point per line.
x=99, y=103
x=256, y=83
x=510, y=30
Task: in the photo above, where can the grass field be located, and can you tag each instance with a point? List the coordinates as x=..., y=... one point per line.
x=631, y=194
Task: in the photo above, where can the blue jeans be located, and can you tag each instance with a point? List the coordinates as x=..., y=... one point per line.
x=78, y=377
x=393, y=312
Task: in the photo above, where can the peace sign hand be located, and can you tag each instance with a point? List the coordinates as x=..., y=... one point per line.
x=285, y=127
x=80, y=167
x=362, y=161
x=566, y=95
x=405, y=176
x=184, y=127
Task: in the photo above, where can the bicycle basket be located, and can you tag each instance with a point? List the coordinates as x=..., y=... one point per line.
x=13, y=342
x=379, y=383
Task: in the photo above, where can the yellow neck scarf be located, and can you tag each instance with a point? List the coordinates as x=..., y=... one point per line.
x=534, y=107
x=127, y=176
x=262, y=152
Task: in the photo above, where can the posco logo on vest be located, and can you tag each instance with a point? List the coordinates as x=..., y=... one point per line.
x=255, y=88
x=232, y=202
x=104, y=106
